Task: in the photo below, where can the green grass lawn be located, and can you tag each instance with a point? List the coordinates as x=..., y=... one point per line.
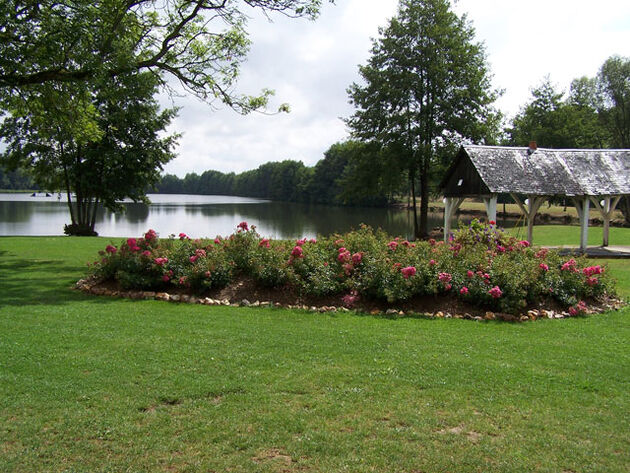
x=98, y=384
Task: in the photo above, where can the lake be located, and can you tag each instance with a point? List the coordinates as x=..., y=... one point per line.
x=202, y=216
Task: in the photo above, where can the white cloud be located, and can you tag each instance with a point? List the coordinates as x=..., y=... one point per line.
x=311, y=64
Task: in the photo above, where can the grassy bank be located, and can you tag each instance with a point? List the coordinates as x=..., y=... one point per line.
x=98, y=384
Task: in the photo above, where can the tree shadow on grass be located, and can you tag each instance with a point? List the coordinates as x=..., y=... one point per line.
x=38, y=282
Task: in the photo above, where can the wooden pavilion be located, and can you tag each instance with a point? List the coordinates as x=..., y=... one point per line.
x=597, y=176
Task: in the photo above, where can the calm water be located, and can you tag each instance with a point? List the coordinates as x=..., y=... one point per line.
x=201, y=216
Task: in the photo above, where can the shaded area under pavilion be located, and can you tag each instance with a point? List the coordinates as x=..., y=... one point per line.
x=597, y=176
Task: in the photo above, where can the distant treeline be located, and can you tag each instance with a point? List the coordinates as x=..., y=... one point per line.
x=16, y=180
x=331, y=181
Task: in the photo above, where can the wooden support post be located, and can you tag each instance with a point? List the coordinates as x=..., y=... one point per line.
x=530, y=211
x=451, y=204
x=491, y=207
x=610, y=203
x=582, y=207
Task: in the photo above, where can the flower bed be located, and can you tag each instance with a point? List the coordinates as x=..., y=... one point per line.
x=481, y=267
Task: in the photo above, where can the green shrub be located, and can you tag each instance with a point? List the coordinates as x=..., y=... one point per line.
x=481, y=265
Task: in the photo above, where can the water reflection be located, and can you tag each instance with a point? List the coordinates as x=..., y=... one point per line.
x=202, y=216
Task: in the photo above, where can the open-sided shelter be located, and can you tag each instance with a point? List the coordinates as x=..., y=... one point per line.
x=598, y=176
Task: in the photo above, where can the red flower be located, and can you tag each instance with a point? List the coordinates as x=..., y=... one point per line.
x=297, y=252
x=150, y=235
x=408, y=272
x=243, y=226
x=111, y=249
x=131, y=242
x=492, y=222
x=183, y=236
x=495, y=292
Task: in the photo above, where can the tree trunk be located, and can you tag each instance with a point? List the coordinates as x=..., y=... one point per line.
x=424, y=199
x=412, y=181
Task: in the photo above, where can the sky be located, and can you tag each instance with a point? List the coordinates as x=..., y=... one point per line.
x=311, y=64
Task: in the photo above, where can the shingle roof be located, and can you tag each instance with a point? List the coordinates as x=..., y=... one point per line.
x=551, y=171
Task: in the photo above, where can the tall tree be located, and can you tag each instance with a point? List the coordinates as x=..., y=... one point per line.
x=555, y=122
x=425, y=86
x=102, y=146
x=614, y=78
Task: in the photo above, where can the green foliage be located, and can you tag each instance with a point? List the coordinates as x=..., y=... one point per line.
x=481, y=265
x=202, y=44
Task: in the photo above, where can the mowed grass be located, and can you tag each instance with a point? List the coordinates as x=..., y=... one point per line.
x=99, y=384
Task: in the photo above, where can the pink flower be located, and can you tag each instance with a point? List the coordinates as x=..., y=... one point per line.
x=312, y=240
x=432, y=241
x=463, y=291
x=524, y=243
x=591, y=270
x=357, y=257
x=217, y=241
x=408, y=272
x=448, y=286
x=182, y=280
x=406, y=243
x=495, y=292
x=193, y=258
x=470, y=274
x=501, y=249
x=200, y=252
x=264, y=243
x=207, y=274
x=243, y=226
x=573, y=311
x=146, y=253
x=150, y=235
x=300, y=242
x=432, y=262
x=297, y=252
x=592, y=281
x=338, y=242
x=570, y=266
x=166, y=278
x=160, y=261
x=111, y=249
x=445, y=278
x=544, y=266
x=347, y=269
x=343, y=256
x=131, y=242
x=350, y=299
x=183, y=236
x=393, y=245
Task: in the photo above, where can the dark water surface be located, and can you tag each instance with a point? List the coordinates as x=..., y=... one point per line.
x=201, y=216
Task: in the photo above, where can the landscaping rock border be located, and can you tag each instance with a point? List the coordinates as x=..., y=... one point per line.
x=93, y=286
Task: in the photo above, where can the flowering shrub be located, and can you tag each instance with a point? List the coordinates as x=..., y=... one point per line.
x=480, y=265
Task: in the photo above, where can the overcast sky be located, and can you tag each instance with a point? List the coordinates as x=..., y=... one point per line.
x=311, y=64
